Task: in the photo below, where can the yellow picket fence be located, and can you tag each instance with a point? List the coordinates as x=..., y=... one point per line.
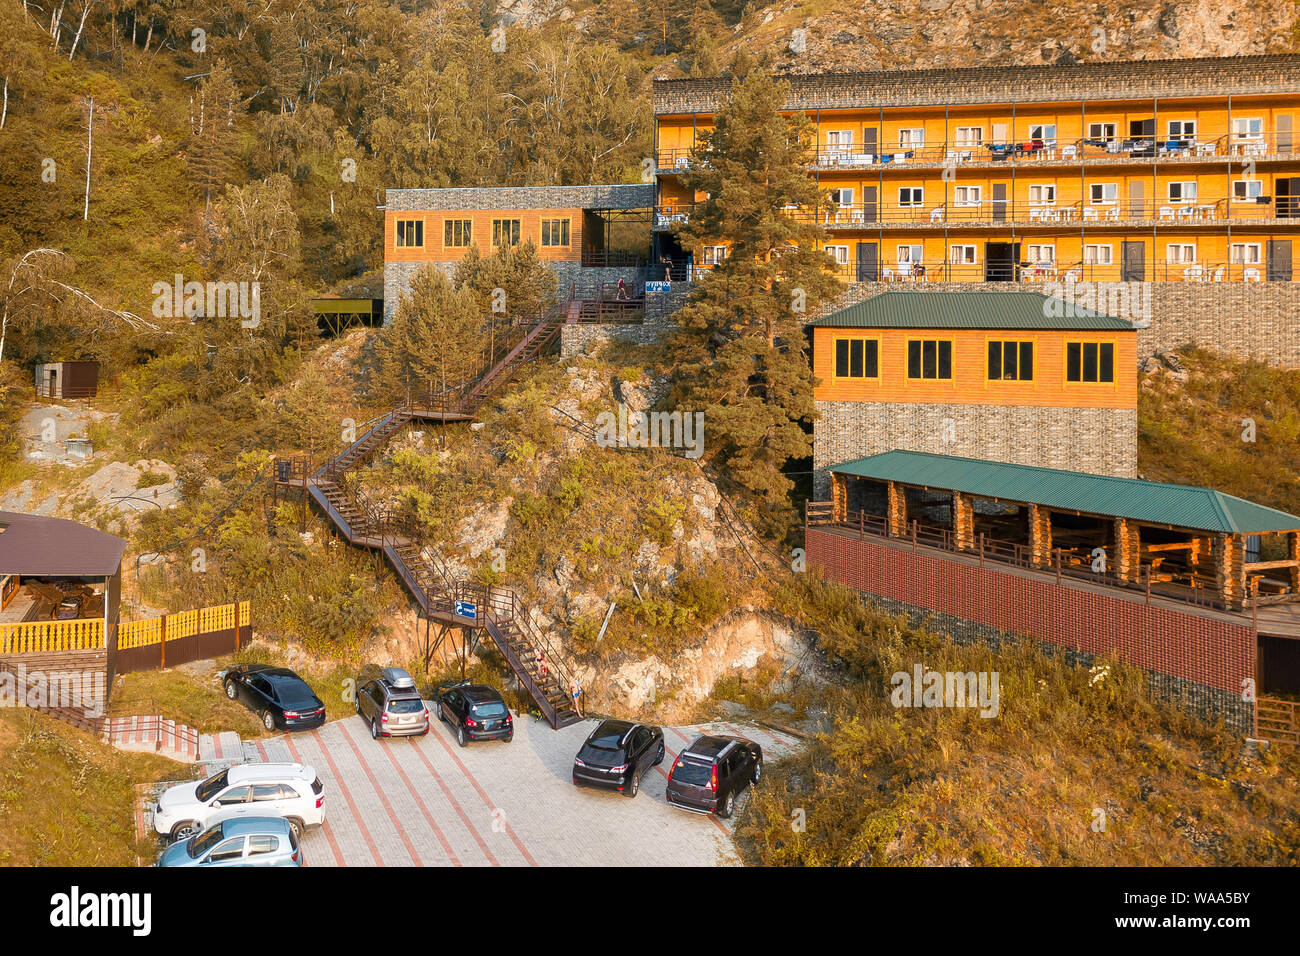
x=40, y=637
x=181, y=625
x=43, y=637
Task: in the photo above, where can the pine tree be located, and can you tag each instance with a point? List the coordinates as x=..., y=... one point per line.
x=512, y=286
x=742, y=351
x=436, y=340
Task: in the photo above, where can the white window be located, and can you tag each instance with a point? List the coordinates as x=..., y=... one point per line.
x=961, y=255
x=1097, y=254
x=967, y=195
x=1042, y=195
x=1247, y=190
x=714, y=254
x=1042, y=254
x=1180, y=252
x=1044, y=131
x=1251, y=127
x=841, y=254
x=910, y=255
x=911, y=138
x=1103, y=131
x=970, y=136
x=842, y=196
x=1182, y=129
x=1182, y=192
x=840, y=139
x=1245, y=253
x=1103, y=193
x=911, y=196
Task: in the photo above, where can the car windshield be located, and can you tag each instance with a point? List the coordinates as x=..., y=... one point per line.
x=490, y=708
x=690, y=772
x=211, y=787
x=204, y=842
x=607, y=738
x=405, y=705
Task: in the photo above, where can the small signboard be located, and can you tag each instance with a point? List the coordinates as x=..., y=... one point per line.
x=652, y=287
x=466, y=609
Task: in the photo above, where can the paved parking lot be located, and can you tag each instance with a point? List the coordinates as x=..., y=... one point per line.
x=424, y=801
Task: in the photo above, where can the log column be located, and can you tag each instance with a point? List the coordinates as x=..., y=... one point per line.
x=897, y=510
x=1293, y=552
x=1229, y=567
x=1040, y=534
x=963, y=521
x=839, y=497
x=1128, y=549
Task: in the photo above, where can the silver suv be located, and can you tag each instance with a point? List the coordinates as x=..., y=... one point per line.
x=392, y=705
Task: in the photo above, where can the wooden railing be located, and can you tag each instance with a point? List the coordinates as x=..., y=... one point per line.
x=1278, y=720
x=43, y=637
x=183, y=624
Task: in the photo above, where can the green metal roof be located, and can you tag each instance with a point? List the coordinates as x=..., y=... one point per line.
x=970, y=310
x=1182, y=506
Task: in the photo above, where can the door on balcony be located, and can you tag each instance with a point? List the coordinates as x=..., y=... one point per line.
x=1279, y=260
x=1136, y=199
x=1000, y=259
x=1133, y=264
x=1288, y=197
x=999, y=202
x=868, y=262
x=869, y=202
x=1284, y=142
x=869, y=142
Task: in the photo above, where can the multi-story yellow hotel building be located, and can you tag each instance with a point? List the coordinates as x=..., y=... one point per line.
x=1184, y=170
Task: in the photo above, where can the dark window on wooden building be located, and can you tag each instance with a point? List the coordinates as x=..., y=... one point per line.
x=929, y=358
x=857, y=358
x=1090, y=362
x=1011, y=361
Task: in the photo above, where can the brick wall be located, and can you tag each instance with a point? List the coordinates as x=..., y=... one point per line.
x=1098, y=440
x=1208, y=76
x=1196, y=661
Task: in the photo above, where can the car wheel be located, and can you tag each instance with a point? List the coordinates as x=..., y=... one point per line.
x=441, y=716
x=460, y=736
x=268, y=720
x=296, y=828
x=660, y=759
x=184, y=830
x=634, y=786
x=231, y=690
x=758, y=771
x=374, y=729
x=728, y=807
x=509, y=737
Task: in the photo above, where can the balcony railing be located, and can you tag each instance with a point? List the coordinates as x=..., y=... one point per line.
x=1045, y=272
x=1193, y=148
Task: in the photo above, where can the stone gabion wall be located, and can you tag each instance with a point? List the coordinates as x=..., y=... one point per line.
x=1259, y=320
x=1208, y=76
x=1102, y=441
x=656, y=324
x=634, y=196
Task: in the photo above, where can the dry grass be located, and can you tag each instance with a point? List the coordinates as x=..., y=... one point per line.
x=67, y=799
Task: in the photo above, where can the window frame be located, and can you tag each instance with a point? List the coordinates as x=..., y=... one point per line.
x=967, y=142
x=1110, y=253
x=836, y=249
x=974, y=254
x=1247, y=197
x=1182, y=247
x=1040, y=201
x=398, y=242
x=848, y=339
x=1020, y=344
x=1182, y=185
x=1259, y=253
x=950, y=378
x=1104, y=200
x=919, y=144
x=499, y=226
x=1183, y=132
x=1083, y=343
x=563, y=225
x=977, y=191
x=449, y=229
x=919, y=201
x=1103, y=135
x=1050, y=246
x=1049, y=139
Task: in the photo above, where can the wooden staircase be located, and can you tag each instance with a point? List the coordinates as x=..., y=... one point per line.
x=436, y=590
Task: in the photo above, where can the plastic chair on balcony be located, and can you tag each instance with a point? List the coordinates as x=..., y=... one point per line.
x=1167, y=212
x=1186, y=212
x=1193, y=273
x=1218, y=274
x=857, y=215
x=1113, y=213
x=1072, y=275
x=1250, y=275
x=1070, y=152
x=1036, y=214
x=1091, y=215
x=887, y=273
x=936, y=214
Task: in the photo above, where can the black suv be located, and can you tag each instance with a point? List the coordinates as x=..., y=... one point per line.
x=475, y=712
x=392, y=705
x=617, y=754
x=709, y=774
x=278, y=696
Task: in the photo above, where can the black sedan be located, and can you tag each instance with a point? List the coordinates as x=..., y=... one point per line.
x=617, y=754
x=280, y=698
x=475, y=712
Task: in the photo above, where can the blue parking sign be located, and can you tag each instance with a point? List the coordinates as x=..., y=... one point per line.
x=466, y=609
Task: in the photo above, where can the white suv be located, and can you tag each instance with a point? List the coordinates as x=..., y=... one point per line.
x=288, y=790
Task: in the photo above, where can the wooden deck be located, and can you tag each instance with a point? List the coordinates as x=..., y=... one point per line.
x=1280, y=620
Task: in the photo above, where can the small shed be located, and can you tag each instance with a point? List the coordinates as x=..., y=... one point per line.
x=67, y=380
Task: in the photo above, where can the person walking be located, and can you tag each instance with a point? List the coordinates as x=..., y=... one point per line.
x=575, y=689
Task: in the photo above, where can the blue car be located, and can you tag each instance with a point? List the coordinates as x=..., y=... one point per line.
x=248, y=841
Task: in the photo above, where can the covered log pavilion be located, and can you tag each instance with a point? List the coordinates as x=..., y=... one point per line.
x=1188, y=543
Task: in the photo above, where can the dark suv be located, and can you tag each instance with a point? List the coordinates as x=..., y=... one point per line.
x=710, y=773
x=393, y=705
x=475, y=712
x=617, y=754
